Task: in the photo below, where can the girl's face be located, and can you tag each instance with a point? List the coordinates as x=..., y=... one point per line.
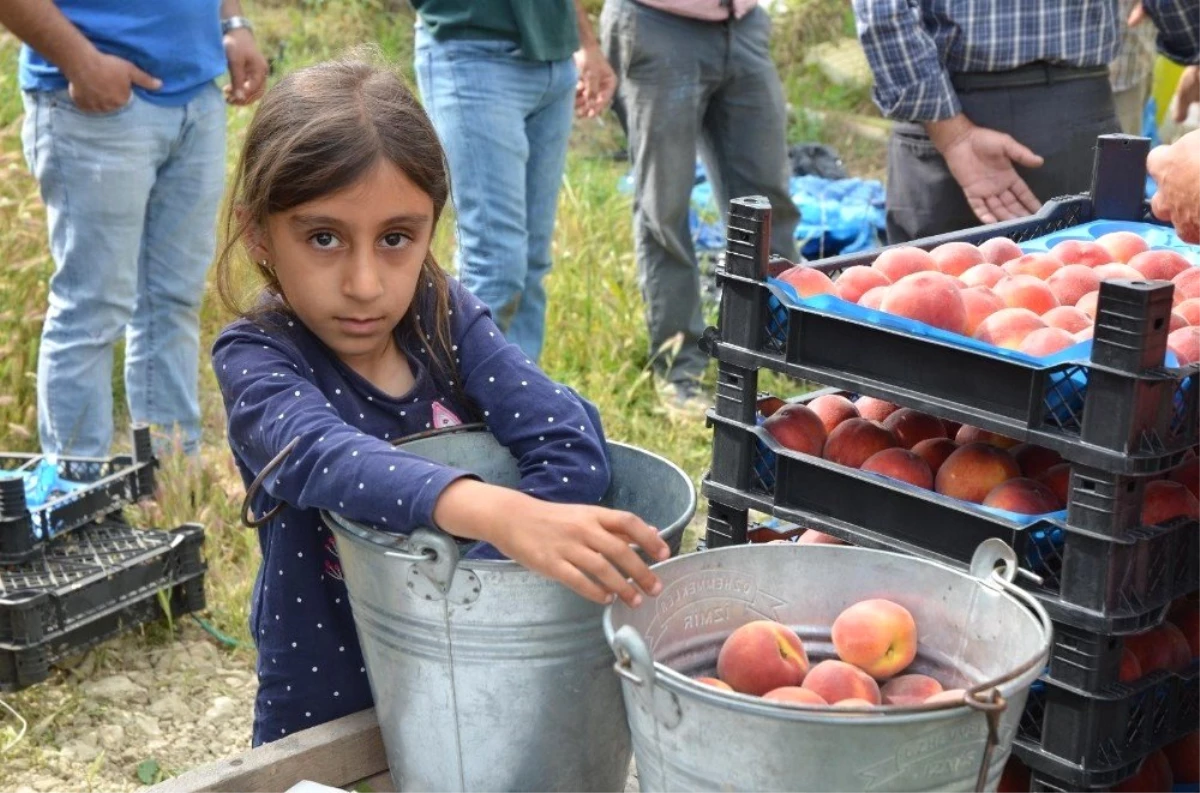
x=348, y=263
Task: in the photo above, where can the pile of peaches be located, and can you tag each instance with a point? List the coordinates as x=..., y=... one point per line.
x=1034, y=303
x=875, y=641
x=958, y=461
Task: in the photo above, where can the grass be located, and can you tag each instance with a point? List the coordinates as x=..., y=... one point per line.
x=596, y=339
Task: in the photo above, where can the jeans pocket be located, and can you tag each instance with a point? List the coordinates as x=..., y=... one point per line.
x=473, y=50
x=913, y=140
x=62, y=99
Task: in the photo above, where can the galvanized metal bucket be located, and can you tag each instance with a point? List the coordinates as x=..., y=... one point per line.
x=977, y=631
x=487, y=676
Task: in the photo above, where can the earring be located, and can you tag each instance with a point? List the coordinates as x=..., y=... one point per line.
x=263, y=264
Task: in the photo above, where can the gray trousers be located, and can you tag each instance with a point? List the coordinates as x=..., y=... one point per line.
x=689, y=86
x=1059, y=122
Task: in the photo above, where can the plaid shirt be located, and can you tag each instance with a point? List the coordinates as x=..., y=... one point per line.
x=913, y=46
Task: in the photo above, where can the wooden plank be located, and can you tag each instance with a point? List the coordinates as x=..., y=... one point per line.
x=338, y=753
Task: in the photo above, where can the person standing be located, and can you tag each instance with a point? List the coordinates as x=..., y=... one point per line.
x=694, y=76
x=997, y=105
x=125, y=132
x=499, y=79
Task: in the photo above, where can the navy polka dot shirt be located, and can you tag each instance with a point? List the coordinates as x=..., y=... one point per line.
x=279, y=382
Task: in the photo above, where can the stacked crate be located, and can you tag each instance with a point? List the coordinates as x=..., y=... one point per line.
x=73, y=573
x=1119, y=419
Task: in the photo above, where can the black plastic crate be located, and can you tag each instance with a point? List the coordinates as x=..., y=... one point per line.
x=23, y=666
x=1121, y=412
x=1089, y=740
x=89, y=571
x=109, y=485
x=1097, y=582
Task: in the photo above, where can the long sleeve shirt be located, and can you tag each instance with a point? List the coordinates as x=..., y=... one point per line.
x=914, y=46
x=279, y=382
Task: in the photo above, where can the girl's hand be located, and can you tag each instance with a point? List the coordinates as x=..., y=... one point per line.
x=585, y=548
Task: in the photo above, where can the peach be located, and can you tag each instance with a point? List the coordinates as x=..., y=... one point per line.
x=1189, y=310
x=1116, y=271
x=814, y=537
x=854, y=702
x=1034, y=460
x=715, y=683
x=952, y=427
x=985, y=274
x=1131, y=667
x=1008, y=327
x=934, y=452
x=1058, y=479
x=968, y=434
x=873, y=297
x=877, y=635
x=761, y=656
x=1023, y=496
x=1153, y=774
x=854, y=441
x=980, y=303
x=1067, y=317
x=798, y=428
x=1187, y=285
x=794, y=695
x=1046, y=341
x=931, y=298
x=854, y=282
x=1185, y=343
x=1039, y=265
x=768, y=405
x=1122, y=245
x=833, y=409
x=955, y=258
x=1083, y=335
x=1015, y=778
x=1081, y=252
x=896, y=263
x=1165, y=500
x=902, y=464
x=1088, y=304
x=1164, y=647
x=912, y=426
x=999, y=250
x=1159, y=265
x=1185, y=615
x=973, y=471
x=835, y=681
x=1026, y=291
x=909, y=689
x=807, y=281
x=1176, y=321
x=1188, y=475
x=873, y=409
x=958, y=695
x=1072, y=282
x=1183, y=757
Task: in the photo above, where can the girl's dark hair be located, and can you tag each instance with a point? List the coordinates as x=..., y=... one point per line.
x=320, y=130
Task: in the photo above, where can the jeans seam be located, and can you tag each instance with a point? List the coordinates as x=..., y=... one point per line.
x=52, y=164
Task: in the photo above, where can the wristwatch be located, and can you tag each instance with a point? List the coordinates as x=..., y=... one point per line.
x=230, y=24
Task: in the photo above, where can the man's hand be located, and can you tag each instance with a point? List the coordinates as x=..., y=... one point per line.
x=103, y=83
x=1187, y=93
x=1176, y=169
x=981, y=161
x=247, y=68
x=597, y=82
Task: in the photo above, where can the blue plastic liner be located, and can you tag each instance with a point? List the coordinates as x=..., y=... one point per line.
x=43, y=483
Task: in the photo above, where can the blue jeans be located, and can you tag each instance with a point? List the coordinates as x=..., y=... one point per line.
x=504, y=122
x=131, y=200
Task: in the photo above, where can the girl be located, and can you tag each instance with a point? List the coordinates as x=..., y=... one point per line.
x=360, y=339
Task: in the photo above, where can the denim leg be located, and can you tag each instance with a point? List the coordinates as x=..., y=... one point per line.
x=745, y=131
x=665, y=65
x=479, y=95
x=548, y=131
x=95, y=172
x=162, y=356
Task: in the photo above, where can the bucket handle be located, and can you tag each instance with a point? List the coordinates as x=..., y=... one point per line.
x=995, y=563
x=635, y=665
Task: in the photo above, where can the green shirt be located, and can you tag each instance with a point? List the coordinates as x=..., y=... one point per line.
x=544, y=29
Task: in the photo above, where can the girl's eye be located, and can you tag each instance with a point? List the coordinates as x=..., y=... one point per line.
x=395, y=239
x=324, y=239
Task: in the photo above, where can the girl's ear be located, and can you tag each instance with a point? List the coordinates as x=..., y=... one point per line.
x=254, y=237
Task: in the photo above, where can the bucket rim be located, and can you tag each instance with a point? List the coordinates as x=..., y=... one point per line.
x=369, y=536
x=677, y=681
